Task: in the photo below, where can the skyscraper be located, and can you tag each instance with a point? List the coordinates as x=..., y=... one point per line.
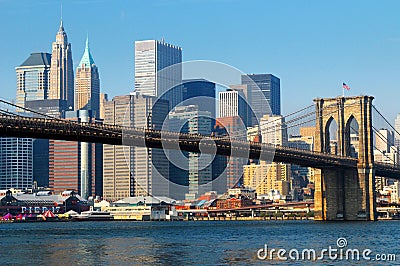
x=87, y=84
x=87, y=101
x=55, y=108
x=151, y=57
x=198, y=177
x=75, y=165
x=131, y=171
x=270, y=89
x=199, y=90
x=16, y=163
x=33, y=78
x=397, y=130
x=17, y=154
x=150, y=166
x=61, y=70
x=384, y=140
x=232, y=103
x=234, y=167
x=117, y=160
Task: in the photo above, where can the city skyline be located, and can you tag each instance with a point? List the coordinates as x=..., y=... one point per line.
x=314, y=52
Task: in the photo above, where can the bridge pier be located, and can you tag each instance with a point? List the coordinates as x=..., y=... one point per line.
x=345, y=194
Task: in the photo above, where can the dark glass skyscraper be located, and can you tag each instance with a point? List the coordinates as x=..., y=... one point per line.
x=270, y=88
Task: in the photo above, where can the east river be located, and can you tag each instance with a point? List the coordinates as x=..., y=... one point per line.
x=201, y=243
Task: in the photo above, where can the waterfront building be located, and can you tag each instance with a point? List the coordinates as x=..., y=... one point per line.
x=40, y=202
x=240, y=191
x=395, y=193
x=61, y=69
x=143, y=208
x=264, y=85
x=265, y=177
x=87, y=84
x=198, y=177
x=16, y=163
x=154, y=75
x=33, y=78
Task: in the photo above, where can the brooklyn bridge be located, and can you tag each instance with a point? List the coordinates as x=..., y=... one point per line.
x=344, y=185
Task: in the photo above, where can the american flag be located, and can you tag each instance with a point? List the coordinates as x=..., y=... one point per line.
x=345, y=86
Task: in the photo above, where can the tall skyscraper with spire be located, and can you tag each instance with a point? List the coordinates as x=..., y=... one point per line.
x=61, y=69
x=87, y=84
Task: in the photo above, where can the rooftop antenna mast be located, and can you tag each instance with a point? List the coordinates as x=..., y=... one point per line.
x=61, y=12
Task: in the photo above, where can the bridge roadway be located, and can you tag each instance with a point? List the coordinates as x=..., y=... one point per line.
x=58, y=129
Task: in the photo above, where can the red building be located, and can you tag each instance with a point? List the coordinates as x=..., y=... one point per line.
x=236, y=130
x=234, y=203
x=66, y=169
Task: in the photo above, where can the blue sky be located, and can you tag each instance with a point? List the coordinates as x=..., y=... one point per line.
x=312, y=46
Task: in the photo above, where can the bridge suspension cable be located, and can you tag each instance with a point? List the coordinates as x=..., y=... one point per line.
x=287, y=125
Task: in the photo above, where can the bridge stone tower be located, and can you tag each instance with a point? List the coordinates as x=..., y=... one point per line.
x=343, y=194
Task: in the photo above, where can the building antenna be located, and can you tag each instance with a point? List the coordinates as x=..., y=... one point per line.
x=61, y=12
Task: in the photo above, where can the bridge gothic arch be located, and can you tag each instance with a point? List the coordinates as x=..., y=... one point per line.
x=351, y=137
x=330, y=135
x=342, y=194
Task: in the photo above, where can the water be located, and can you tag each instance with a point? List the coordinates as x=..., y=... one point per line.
x=183, y=243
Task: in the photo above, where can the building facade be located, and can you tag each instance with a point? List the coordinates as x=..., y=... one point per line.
x=150, y=166
x=76, y=166
x=397, y=129
x=273, y=130
x=33, y=78
x=117, y=160
x=17, y=154
x=198, y=176
x=16, y=163
x=234, y=165
x=54, y=108
x=265, y=178
x=87, y=84
x=232, y=103
x=61, y=69
x=134, y=171
x=154, y=75
x=264, y=85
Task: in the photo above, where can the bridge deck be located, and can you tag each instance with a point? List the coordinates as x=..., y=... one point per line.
x=58, y=129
